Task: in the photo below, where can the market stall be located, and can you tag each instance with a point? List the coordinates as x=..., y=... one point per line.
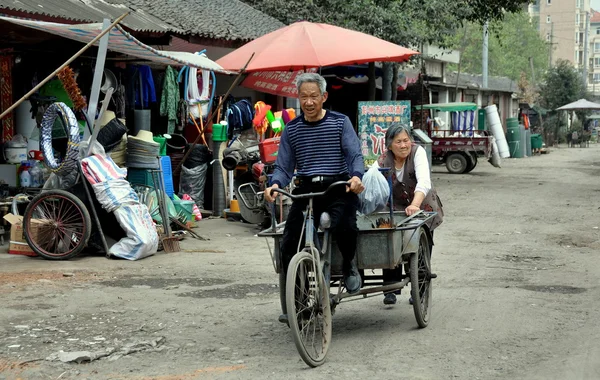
x=103, y=174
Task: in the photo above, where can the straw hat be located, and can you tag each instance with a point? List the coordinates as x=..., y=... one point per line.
x=106, y=117
x=145, y=136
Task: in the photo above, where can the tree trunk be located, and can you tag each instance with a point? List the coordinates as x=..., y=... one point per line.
x=386, y=82
x=395, y=81
x=372, y=84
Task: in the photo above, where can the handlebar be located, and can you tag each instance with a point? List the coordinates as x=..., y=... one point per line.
x=311, y=195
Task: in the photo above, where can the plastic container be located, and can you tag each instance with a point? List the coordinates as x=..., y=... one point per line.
x=513, y=136
x=186, y=208
x=37, y=177
x=25, y=177
x=268, y=150
x=536, y=141
x=140, y=177
x=162, y=142
x=219, y=132
x=14, y=153
x=176, y=144
x=167, y=175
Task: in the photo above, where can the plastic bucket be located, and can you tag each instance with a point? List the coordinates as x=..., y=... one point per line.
x=186, y=208
x=162, y=142
x=513, y=136
x=219, y=132
x=176, y=144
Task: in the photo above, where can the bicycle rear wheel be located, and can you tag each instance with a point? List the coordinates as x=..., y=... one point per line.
x=57, y=225
x=309, y=310
x=420, y=281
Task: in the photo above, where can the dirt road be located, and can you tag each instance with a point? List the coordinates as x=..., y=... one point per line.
x=517, y=297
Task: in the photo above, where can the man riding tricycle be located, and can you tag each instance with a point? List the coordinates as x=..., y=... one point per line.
x=322, y=149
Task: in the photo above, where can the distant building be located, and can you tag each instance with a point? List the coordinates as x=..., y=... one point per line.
x=562, y=23
x=594, y=53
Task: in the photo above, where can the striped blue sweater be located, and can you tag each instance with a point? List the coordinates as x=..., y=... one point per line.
x=326, y=147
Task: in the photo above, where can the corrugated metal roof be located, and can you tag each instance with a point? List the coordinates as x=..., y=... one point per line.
x=214, y=19
x=502, y=84
x=89, y=11
x=121, y=41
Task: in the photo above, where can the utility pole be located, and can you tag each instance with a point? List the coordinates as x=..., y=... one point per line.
x=551, y=43
x=532, y=72
x=585, y=50
x=485, y=56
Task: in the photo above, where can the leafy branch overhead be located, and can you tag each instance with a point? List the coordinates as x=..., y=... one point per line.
x=512, y=43
x=405, y=22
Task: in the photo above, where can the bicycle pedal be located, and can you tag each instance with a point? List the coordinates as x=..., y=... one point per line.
x=433, y=275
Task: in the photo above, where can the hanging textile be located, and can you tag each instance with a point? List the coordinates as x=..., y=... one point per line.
x=463, y=122
x=145, y=90
x=169, y=100
x=194, y=96
x=239, y=117
x=6, y=95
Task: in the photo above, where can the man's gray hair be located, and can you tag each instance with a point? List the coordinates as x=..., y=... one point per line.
x=312, y=78
x=394, y=130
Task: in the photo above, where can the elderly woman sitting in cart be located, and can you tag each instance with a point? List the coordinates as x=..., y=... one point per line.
x=411, y=185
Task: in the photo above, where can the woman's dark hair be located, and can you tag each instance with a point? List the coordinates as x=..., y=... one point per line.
x=394, y=130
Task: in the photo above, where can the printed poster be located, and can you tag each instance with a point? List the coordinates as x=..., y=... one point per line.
x=374, y=119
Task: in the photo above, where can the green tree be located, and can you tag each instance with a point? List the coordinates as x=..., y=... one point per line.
x=404, y=22
x=511, y=44
x=562, y=85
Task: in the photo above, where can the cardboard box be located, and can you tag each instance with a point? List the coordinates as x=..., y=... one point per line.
x=18, y=245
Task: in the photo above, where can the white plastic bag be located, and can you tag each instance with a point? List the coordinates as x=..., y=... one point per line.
x=376, y=193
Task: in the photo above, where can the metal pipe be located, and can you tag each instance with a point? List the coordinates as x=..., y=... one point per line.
x=485, y=56
x=364, y=292
x=97, y=81
x=93, y=210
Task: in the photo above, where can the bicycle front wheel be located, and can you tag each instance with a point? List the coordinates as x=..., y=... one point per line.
x=308, y=308
x=57, y=225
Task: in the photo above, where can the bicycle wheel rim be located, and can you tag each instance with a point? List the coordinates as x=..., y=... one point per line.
x=309, y=310
x=56, y=227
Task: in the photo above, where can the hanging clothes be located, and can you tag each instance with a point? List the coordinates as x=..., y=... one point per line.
x=145, y=90
x=239, y=117
x=169, y=101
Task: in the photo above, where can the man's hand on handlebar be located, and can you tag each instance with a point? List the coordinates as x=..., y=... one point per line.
x=269, y=194
x=356, y=185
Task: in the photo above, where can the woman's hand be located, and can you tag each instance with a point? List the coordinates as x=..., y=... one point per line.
x=412, y=210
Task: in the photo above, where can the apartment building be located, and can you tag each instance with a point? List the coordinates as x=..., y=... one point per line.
x=594, y=53
x=562, y=24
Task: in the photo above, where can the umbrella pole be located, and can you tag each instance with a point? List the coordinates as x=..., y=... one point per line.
x=210, y=114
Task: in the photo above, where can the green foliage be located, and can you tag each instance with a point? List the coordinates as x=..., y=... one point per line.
x=562, y=85
x=510, y=44
x=405, y=22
